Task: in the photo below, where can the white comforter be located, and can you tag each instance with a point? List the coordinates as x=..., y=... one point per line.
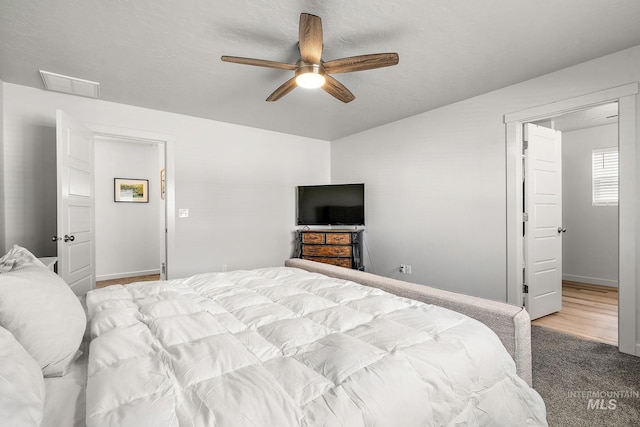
x=283, y=347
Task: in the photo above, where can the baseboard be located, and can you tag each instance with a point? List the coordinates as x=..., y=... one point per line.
x=590, y=280
x=126, y=275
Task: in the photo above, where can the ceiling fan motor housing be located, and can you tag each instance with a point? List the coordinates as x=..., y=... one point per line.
x=310, y=76
x=304, y=68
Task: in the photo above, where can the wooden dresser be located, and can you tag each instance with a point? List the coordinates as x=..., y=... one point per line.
x=337, y=247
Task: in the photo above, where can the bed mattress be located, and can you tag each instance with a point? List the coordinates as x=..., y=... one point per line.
x=285, y=347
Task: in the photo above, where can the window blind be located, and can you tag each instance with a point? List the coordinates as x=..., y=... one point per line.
x=605, y=176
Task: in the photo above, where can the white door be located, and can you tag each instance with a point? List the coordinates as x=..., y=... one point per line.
x=543, y=225
x=75, y=203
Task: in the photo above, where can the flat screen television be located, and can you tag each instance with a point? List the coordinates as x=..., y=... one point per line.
x=341, y=204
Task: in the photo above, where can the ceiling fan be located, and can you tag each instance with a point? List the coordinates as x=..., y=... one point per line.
x=311, y=71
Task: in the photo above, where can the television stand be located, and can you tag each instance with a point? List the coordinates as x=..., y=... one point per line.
x=331, y=246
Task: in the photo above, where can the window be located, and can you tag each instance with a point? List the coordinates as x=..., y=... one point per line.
x=605, y=176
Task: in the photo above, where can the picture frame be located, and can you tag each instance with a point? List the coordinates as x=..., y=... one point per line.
x=130, y=190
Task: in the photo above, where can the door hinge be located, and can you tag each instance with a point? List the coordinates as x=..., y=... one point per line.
x=525, y=217
x=525, y=288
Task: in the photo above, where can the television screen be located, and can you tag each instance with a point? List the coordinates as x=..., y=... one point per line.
x=331, y=204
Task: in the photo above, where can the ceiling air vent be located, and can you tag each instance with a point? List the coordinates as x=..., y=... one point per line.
x=70, y=85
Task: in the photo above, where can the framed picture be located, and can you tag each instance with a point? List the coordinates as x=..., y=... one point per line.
x=131, y=190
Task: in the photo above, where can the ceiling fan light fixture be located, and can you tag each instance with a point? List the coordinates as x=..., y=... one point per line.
x=310, y=80
x=311, y=71
x=310, y=76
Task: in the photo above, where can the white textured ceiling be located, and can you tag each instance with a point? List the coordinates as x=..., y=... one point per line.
x=165, y=54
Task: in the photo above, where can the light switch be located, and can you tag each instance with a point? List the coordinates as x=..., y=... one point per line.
x=183, y=213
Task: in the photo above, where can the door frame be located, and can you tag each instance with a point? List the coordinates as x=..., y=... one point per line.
x=629, y=193
x=167, y=143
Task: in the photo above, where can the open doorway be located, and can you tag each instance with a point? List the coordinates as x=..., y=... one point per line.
x=590, y=216
x=628, y=243
x=130, y=236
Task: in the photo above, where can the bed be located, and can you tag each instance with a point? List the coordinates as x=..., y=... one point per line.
x=279, y=346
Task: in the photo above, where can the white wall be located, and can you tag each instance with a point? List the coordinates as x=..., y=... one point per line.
x=237, y=182
x=127, y=234
x=29, y=177
x=435, y=182
x=590, y=245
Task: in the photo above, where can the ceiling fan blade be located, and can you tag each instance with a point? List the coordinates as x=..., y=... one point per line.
x=286, y=87
x=361, y=63
x=337, y=89
x=258, y=62
x=310, y=38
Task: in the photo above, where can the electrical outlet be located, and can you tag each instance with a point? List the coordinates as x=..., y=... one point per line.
x=405, y=269
x=224, y=267
x=183, y=213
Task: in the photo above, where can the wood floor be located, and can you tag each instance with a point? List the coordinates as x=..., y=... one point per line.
x=124, y=281
x=588, y=311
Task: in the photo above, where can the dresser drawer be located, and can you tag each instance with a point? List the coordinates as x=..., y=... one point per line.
x=341, y=247
x=342, y=262
x=338, y=238
x=317, y=238
x=327, y=251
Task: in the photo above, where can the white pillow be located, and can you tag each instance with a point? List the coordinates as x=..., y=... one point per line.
x=44, y=315
x=21, y=384
x=18, y=257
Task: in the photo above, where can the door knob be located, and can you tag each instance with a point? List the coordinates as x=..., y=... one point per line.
x=56, y=238
x=562, y=230
x=69, y=238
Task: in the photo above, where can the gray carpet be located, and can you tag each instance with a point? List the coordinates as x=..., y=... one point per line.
x=585, y=383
